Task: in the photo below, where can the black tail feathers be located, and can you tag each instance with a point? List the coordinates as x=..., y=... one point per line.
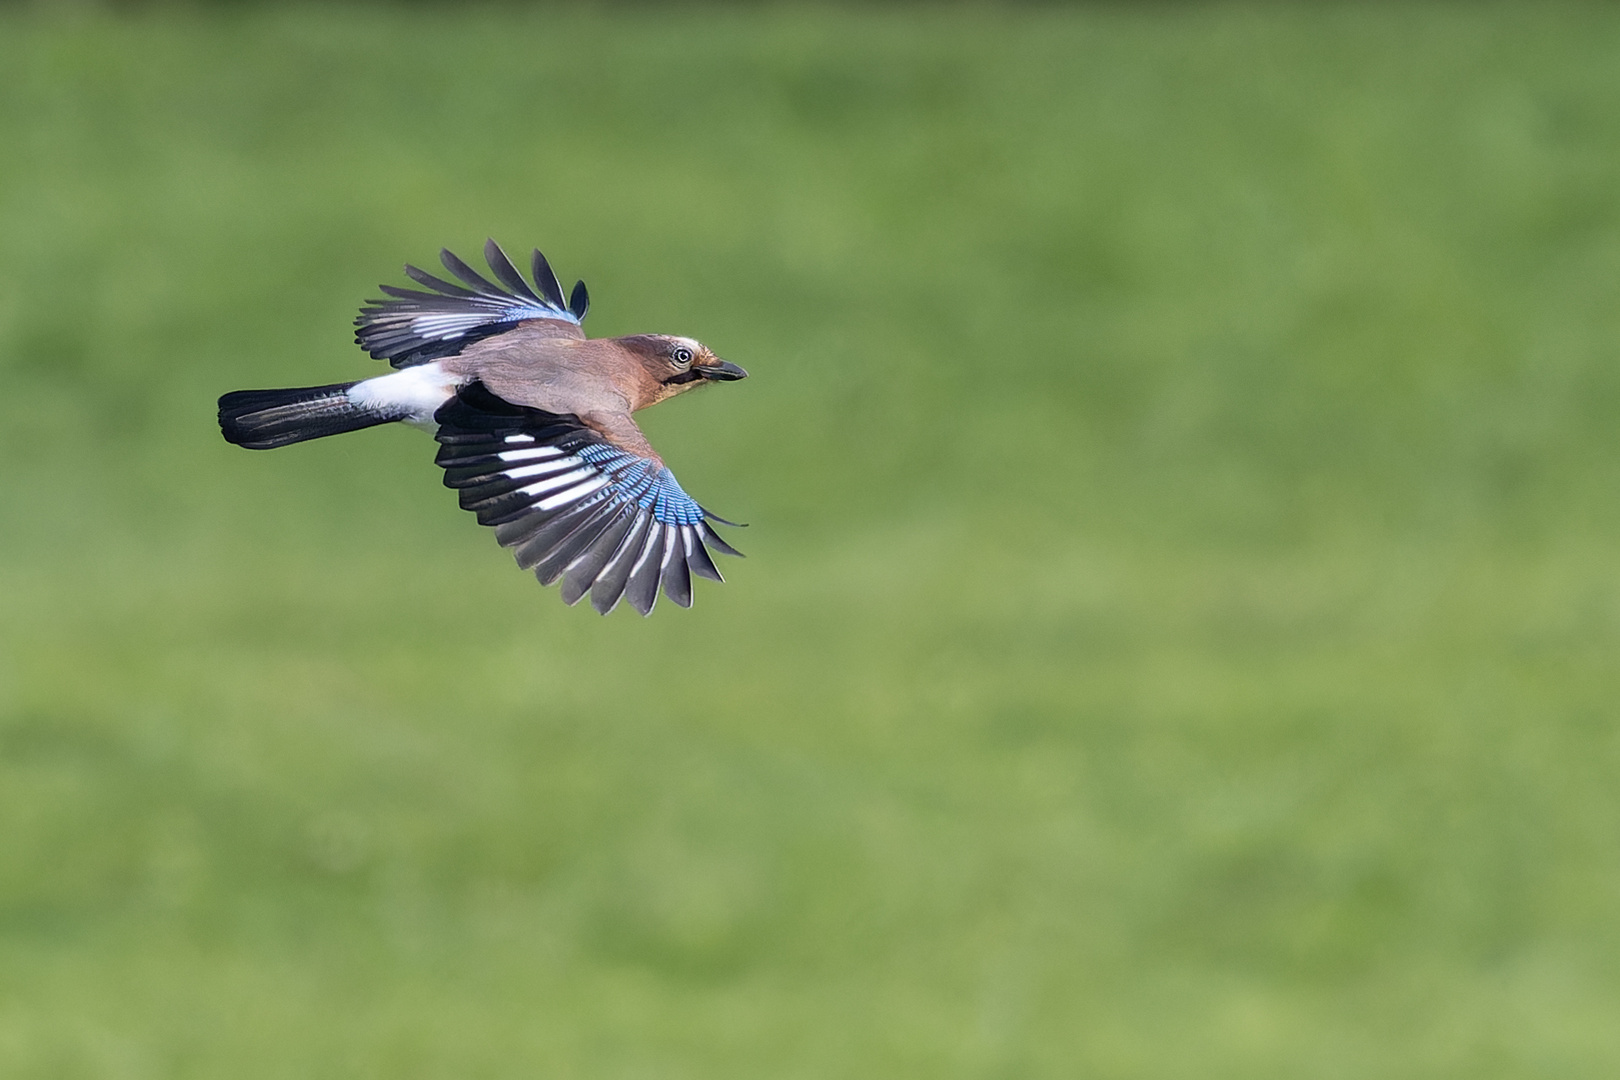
x=265, y=419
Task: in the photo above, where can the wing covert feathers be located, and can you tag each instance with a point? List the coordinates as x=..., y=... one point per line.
x=414, y=326
x=573, y=507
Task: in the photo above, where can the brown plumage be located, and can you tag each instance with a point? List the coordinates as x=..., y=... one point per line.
x=534, y=421
x=600, y=380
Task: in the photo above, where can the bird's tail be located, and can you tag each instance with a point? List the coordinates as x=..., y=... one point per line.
x=264, y=419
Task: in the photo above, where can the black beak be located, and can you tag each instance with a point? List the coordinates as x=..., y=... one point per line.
x=721, y=372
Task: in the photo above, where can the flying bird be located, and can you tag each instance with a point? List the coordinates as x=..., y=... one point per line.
x=533, y=421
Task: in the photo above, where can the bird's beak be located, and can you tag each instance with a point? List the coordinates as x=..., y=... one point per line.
x=721, y=371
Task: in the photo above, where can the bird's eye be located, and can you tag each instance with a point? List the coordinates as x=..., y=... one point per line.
x=682, y=355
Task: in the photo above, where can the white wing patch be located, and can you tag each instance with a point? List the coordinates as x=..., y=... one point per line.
x=418, y=390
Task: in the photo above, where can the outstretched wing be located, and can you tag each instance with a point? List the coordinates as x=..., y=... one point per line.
x=414, y=326
x=573, y=506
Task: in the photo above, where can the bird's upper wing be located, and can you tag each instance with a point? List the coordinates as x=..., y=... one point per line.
x=573, y=505
x=415, y=327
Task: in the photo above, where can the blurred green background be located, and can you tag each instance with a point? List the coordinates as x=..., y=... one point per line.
x=1179, y=633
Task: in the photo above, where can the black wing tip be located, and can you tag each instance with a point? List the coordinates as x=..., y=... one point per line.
x=639, y=591
x=507, y=273
x=710, y=515
x=545, y=279
x=714, y=540
x=470, y=277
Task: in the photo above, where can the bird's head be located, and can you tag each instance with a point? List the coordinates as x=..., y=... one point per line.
x=674, y=365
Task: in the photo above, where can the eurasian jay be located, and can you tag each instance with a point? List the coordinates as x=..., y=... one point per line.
x=533, y=421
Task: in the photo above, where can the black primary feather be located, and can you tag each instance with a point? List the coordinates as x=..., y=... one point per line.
x=642, y=588
x=508, y=274
x=546, y=280
x=470, y=277
x=677, y=578
x=607, y=589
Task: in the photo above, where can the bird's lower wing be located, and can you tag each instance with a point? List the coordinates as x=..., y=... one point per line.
x=572, y=506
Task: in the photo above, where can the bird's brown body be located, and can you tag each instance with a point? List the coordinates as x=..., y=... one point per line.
x=600, y=380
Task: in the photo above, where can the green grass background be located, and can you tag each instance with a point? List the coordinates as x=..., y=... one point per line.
x=1180, y=630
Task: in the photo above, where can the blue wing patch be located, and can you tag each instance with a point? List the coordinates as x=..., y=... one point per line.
x=415, y=327
x=572, y=506
x=650, y=486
